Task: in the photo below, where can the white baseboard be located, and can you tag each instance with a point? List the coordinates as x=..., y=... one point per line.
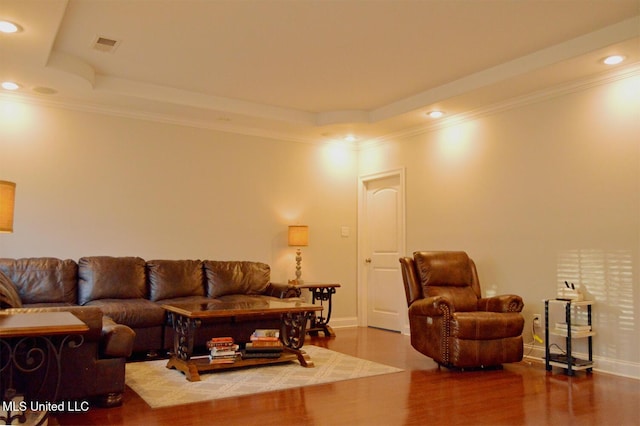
x=601, y=364
x=536, y=353
x=343, y=322
x=346, y=322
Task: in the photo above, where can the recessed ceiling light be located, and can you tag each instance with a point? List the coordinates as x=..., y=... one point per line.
x=9, y=27
x=435, y=114
x=613, y=59
x=10, y=85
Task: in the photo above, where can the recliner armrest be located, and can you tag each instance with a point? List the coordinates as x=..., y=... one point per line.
x=502, y=303
x=435, y=306
x=117, y=339
x=282, y=291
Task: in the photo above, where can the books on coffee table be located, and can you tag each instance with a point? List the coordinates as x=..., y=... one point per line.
x=223, y=350
x=265, y=343
x=252, y=355
x=265, y=334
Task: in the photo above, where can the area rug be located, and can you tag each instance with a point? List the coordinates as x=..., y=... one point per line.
x=161, y=387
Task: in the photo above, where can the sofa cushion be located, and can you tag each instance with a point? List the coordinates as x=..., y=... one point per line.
x=135, y=313
x=447, y=274
x=43, y=279
x=443, y=269
x=236, y=277
x=185, y=299
x=9, y=297
x=104, y=277
x=175, y=278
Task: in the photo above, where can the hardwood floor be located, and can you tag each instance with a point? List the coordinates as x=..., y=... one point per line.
x=520, y=394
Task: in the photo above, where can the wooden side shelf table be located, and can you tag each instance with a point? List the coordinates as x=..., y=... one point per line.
x=322, y=293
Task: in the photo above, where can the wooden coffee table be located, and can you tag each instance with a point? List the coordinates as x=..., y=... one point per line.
x=187, y=317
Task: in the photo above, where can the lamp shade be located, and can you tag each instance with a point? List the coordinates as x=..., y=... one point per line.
x=298, y=235
x=7, y=201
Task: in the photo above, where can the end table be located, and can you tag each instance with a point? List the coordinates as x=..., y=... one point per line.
x=569, y=331
x=31, y=343
x=321, y=292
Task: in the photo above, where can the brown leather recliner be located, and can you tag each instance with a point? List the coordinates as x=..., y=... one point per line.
x=448, y=318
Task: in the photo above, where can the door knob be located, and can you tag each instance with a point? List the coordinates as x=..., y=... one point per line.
x=367, y=260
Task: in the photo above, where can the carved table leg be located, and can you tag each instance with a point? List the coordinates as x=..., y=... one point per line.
x=183, y=339
x=189, y=368
x=292, y=334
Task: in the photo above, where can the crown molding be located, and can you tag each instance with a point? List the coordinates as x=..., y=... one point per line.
x=76, y=105
x=546, y=94
x=628, y=71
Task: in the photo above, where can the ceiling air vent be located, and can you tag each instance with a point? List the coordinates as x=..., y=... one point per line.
x=105, y=44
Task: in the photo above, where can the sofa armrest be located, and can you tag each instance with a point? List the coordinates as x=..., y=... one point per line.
x=502, y=303
x=282, y=291
x=117, y=339
x=435, y=306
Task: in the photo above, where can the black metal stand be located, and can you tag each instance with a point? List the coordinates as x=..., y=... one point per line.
x=567, y=361
x=321, y=293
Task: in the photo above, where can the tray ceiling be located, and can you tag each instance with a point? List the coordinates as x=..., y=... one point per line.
x=308, y=70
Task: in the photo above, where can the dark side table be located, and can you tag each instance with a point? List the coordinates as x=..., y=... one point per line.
x=322, y=293
x=31, y=343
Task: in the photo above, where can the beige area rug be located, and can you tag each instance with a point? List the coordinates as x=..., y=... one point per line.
x=161, y=387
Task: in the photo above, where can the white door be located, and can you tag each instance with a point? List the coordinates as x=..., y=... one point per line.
x=383, y=216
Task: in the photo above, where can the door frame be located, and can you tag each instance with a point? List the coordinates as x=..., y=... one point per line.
x=362, y=238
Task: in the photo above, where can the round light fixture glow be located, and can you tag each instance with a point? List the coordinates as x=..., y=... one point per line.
x=9, y=27
x=10, y=85
x=613, y=59
x=350, y=138
x=435, y=114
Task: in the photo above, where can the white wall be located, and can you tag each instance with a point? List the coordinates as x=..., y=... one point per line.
x=92, y=184
x=538, y=194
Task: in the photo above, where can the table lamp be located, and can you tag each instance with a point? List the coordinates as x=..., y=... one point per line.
x=7, y=201
x=298, y=237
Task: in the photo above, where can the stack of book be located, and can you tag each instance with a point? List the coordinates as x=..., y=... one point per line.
x=223, y=350
x=265, y=343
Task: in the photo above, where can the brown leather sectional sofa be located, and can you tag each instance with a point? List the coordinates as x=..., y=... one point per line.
x=128, y=292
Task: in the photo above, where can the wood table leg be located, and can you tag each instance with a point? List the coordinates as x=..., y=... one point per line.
x=293, y=328
x=189, y=369
x=303, y=358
